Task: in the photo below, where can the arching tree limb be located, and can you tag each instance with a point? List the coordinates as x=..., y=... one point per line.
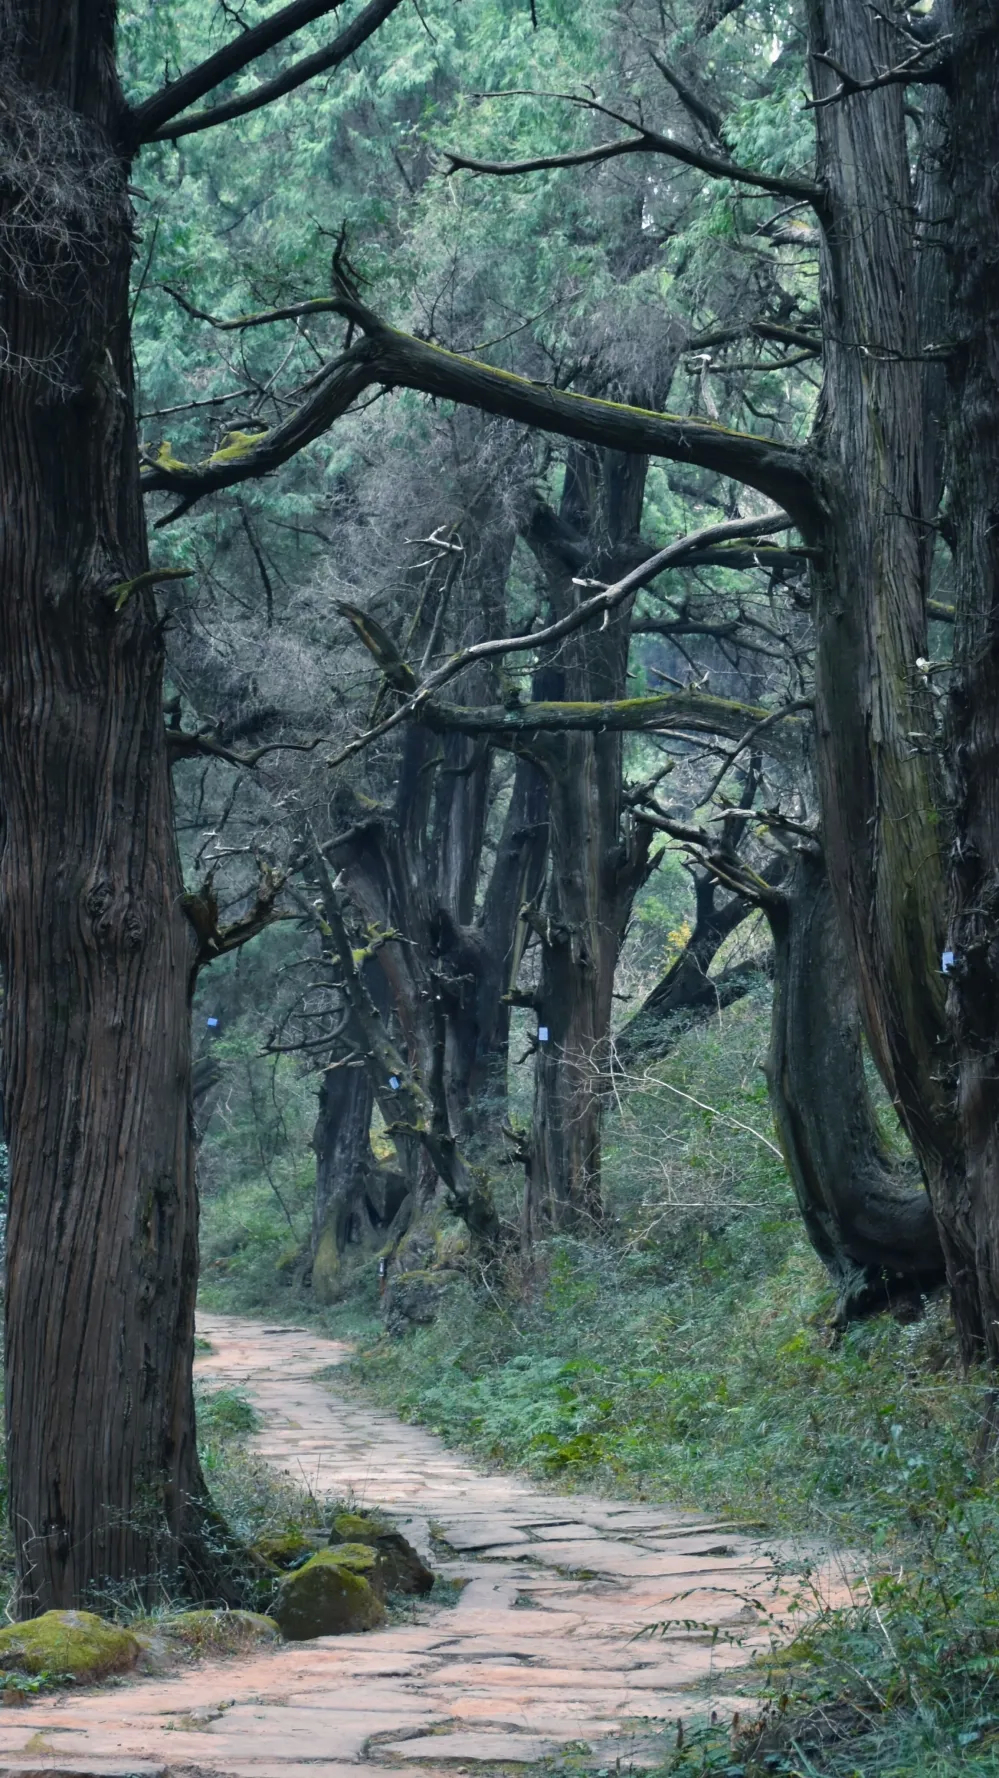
x=643, y=141
x=393, y=359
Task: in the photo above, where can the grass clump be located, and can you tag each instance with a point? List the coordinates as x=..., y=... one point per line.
x=219, y=1633
x=224, y=1413
x=261, y=1507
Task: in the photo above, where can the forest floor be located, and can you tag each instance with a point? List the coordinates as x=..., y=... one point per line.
x=538, y=1658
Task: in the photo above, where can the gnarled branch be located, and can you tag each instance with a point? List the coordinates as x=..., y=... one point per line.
x=202, y=910
x=687, y=712
x=643, y=141
x=183, y=745
x=396, y=360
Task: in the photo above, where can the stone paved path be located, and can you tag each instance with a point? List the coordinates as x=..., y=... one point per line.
x=537, y=1659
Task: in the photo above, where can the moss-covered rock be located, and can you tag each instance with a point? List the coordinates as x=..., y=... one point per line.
x=220, y=1632
x=399, y=1569
x=75, y=1643
x=413, y=1299
x=282, y=1550
x=356, y=1528
x=330, y=1596
x=358, y=1556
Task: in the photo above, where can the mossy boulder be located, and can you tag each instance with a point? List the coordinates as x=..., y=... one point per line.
x=356, y=1528
x=330, y=1595
x=413, y=1299
x=358, y=1556
x=77, y=1644
x=220, y=1632
x=398, y=1569
x=283, y=1550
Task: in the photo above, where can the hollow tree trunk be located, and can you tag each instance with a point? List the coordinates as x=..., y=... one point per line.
x=104, y=1482
x=866, y=1213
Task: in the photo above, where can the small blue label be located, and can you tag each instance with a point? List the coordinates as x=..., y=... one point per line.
x=947, y=963
x=542, y=1033
x=394, y=1082
x=211, y=1023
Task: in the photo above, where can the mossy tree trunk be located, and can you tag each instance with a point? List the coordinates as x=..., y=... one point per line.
x=98, y=956
x=877, y=458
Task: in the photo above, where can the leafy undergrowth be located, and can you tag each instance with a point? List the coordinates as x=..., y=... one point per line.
x=733, y=1398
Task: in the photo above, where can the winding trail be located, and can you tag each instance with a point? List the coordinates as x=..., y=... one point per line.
x=536, y=1660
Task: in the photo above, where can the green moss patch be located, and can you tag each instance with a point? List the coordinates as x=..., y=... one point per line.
x=282, y=1549
x=73, y=1645
x=398, y=1568
x=355, y=1528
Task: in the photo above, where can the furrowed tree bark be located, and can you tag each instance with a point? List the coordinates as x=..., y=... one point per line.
x=879, y=783
x=98, y=957
x=865, y=1211
x=971, y=1214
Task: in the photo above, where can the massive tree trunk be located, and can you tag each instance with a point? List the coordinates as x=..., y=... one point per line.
x=865, y=1211
x=971, y=1214
x=104, y=1483
x=878, y=462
